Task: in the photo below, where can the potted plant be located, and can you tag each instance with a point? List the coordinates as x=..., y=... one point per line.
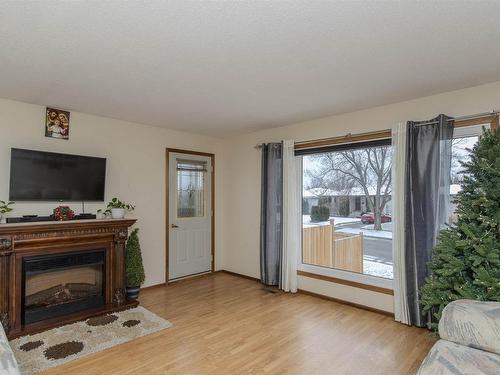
x=134, y=268
x=116, y=208
x=5, y=208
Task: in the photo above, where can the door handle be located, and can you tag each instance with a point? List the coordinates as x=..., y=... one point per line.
x=174, y=226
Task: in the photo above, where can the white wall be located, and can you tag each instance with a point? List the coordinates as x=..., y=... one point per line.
x=135, y=168
x=379, y=301
x=242, y=170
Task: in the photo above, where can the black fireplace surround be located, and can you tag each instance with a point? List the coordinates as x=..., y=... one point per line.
x=60, y=284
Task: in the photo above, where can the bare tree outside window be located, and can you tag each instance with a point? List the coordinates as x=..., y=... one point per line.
x=460, y=153
x=368, y=169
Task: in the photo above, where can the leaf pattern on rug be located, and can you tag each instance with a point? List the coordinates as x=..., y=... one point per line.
x=63, y=350
x=31, y=345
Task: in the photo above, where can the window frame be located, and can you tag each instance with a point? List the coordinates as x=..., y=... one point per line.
x=364, y=281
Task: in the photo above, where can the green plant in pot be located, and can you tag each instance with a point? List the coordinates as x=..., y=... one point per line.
x=117, y=209
x=5, y=208
x=134, y=268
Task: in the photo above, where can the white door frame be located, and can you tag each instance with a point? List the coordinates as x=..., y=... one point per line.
x=167, y=202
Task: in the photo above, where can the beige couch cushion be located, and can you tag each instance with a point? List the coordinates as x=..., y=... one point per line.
x=472, y=323
x=448, y=358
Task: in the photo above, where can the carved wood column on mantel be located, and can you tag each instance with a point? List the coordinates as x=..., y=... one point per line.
x=5, y=263
x=120, y=238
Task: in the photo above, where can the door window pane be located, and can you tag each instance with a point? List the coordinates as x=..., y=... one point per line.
x=191, y=188
x=347, y=210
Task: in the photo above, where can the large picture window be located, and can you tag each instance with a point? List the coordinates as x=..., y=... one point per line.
x=346, y=208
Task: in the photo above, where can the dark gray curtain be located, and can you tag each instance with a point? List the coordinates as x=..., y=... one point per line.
x=271, y=214
x=427, y=195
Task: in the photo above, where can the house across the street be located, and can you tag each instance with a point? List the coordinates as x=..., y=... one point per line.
x=353, y=203
x=341, y=203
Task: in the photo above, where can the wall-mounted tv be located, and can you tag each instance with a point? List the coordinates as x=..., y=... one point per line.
x=47, y=176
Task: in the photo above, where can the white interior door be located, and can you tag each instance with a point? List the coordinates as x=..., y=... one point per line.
x=190, y=215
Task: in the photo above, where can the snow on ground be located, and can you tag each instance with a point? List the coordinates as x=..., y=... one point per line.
x=377, y=269
x=385, y=226
x=306, y=219
x=367, y=232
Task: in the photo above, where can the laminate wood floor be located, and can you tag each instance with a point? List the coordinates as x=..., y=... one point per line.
x=224, y=324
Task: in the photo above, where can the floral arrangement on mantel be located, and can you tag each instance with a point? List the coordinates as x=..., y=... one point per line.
x=63, y=213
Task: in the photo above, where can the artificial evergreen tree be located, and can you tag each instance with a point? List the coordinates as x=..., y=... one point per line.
x=134, y=268
x=465, y=263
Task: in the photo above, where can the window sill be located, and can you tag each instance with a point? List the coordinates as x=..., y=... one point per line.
x=373, y=283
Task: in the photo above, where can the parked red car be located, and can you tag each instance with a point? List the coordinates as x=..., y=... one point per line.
x=369, y=218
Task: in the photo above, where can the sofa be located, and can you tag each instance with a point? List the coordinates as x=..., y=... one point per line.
x=8, y=363
x=470, y=340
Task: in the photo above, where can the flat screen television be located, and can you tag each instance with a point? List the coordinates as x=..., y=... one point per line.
x=47, y=176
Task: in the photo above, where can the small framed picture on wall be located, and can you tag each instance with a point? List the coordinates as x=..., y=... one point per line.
x=56, y=123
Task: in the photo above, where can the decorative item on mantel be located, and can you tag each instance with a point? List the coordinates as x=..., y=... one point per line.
x=117, y=209
x=63, y=213
x=134, y=268
x=4, y=209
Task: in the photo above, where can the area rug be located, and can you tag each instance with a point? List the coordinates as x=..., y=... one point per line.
x=51, y=348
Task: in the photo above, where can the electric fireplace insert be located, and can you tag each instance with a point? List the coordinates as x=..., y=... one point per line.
x=60, y=284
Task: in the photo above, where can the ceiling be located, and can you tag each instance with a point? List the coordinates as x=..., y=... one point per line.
x=226, y=68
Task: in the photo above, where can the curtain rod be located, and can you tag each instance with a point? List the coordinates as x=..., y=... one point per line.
x=260, y=145
x=467, y=117
x=460, y=118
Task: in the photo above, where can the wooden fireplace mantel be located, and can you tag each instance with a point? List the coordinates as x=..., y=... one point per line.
x=33, y=239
